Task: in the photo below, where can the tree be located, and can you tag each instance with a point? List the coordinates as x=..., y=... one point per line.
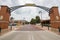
x=37, y=19
x=26, y=22
x=33, y=21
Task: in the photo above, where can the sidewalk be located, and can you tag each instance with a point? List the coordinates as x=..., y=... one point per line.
x=46, y=28
x=4, y=31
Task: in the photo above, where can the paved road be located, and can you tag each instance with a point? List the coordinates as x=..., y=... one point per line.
x=28, y=28
x=30, y=35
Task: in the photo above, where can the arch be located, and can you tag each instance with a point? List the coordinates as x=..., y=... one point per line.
x=42, y=7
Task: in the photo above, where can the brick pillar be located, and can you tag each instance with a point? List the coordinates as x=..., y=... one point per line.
x=54, y=17
x=4, y=15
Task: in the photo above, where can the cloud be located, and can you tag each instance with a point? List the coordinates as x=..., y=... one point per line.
x=6, y=2
x=25, y=1
x=30, y=12
x=26, y=12
x=38, y=2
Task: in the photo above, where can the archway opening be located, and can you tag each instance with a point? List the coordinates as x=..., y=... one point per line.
x=32, y=5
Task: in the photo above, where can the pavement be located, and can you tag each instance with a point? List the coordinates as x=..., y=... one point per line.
x=4, y=31
x=50, y=29
x=29, y=32
x=28, y=28
x=30, y=35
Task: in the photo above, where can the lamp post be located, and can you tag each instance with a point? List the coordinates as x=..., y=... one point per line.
x=41, y=18
x=41, y=14
x=0, y=30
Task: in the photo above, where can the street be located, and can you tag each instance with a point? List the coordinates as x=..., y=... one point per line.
x=29, y=32
x=28, y=28
x=29, y=19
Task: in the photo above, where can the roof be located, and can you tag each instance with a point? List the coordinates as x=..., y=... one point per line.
x=44, y=20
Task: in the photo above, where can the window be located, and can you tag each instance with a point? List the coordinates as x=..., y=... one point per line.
x=1, y=17
x=57, y=17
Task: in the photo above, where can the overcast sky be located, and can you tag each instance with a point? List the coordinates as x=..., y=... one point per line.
x=27, y=13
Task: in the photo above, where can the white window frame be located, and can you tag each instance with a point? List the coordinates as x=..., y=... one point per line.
x=57, y=17
x=1, y=17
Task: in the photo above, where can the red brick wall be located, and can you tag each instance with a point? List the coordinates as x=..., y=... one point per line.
x=54, y=13
x=5, y=21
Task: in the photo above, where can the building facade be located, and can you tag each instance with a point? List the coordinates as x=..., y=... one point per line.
x=4, y=17
x=54, y=17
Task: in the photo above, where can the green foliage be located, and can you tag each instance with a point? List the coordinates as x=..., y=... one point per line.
x=26, y=22
x=37, y=19
x=33, y=21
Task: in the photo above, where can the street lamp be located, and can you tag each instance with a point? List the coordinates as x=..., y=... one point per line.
x=41, y=18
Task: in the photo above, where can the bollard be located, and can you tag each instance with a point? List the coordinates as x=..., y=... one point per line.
x=59, y=29
x=42, y=25
x=10, y=26
x=48, y=27
x=0, y=29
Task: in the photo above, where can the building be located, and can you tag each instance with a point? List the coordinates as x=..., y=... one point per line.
x=54, y=17
x=45, y=21
x=4, y=16
x=19, y=22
